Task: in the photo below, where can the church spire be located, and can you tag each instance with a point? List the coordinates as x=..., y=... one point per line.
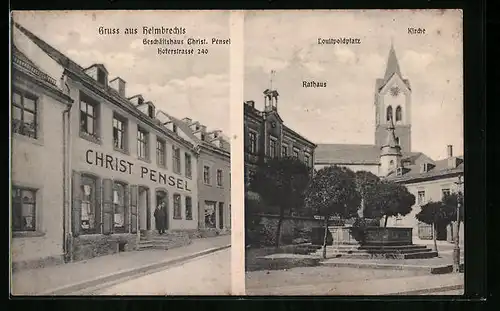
x=392, y=64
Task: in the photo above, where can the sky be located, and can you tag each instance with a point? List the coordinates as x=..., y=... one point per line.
x=344, y=111
x=195, y=86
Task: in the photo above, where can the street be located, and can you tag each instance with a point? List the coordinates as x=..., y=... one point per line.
x=206, y=275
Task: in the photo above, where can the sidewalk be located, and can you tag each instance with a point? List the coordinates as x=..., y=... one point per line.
x=71, y=277
x=416, y=285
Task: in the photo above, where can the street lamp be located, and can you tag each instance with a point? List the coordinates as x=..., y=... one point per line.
x=456, y=249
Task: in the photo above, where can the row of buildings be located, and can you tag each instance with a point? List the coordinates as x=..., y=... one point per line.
x=89, y=164
x=390, y=157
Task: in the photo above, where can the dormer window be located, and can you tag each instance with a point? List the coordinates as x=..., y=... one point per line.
x=202, y=136
x=174, y=128
x=151, y=111
x=197, y=127
x=101, y=76
x=425, y=167
x=399, y=171
x=140, y=101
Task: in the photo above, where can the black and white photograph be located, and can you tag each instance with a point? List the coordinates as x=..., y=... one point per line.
x=353, y=152
x=120, y=153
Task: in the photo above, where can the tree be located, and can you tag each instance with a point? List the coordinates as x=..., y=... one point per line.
x=388, y=199
x=332, y=192
x=435, y=213
x=281, y=182
x=253, y=207
x=451, y=202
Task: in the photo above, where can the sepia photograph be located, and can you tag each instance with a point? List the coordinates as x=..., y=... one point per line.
x=353, y=151
x=120, y=153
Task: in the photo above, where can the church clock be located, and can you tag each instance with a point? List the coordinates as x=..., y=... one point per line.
x=395, y=91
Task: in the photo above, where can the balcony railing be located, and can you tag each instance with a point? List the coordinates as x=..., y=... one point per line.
x=26, y=65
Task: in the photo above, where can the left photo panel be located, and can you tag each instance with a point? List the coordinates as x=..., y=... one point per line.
x=120, y=153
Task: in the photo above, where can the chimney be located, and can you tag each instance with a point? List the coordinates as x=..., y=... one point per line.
x=250, y=103
x=450, y=151
x=119, y=85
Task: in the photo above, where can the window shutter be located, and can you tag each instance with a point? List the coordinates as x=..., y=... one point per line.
x=98, y=205
x=133, y=208
x=126, y=205
x=107, y=206
x=76, y=206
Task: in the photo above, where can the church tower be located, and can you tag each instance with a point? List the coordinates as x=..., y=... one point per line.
x=393, y=102
x=390, y=152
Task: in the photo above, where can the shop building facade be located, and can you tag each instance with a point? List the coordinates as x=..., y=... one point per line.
x=214, y=174
x=120, y=162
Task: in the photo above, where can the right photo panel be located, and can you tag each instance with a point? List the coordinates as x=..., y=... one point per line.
x=354, y=168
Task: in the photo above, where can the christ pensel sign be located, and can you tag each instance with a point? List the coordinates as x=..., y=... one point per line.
x=116, y=164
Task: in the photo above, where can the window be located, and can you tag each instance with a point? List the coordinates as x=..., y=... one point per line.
x=176, y=159
x=306, y=159
x=445, y=192
x=119, y=203
x=161, y=152
x=88, y=116
x=142, y=144
x=174, y=128
x=210, y=215
x=119, y=131
x=284, y=151
x=296, y=153
x=219, y=178
x=177, y=206
x=203, y=136
x=90, y=215
x=101, y=76
x=399, y=113
x=221, y=215
x=151, y=111
x=188, y=165
x=189, y=208
x=252, y=142
x=397, y=141
x=389, y=113
x=23, y=209
x=272, y=147
x=24, y=115
x=206, y=175
x=421, y=197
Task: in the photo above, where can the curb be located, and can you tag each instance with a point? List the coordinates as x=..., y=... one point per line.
x=430, y=269
x=72, y=288
x=431, y=290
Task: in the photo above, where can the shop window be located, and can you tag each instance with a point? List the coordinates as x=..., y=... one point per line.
x=24, y=114
x=210, y=215
x=23, y=209
x=221, y=215
x=189, y=208
x=90, y=215
x=177, y=206
x=120, y=207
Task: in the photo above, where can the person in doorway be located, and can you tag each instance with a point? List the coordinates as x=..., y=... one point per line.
x=160, y=218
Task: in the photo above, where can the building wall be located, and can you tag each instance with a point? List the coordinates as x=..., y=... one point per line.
x=433, y=192
x=37, y=164
x=132, y=171
x=212, y=192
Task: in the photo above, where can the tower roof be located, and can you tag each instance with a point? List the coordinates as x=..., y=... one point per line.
x=392, y=64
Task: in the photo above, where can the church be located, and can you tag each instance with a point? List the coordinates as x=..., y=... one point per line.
x=392, y=158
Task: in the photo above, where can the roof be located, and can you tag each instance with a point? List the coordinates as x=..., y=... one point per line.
x=411, y=173
x=392, y=65
x=79, y=72
x=23, y=61
x=355, y=154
